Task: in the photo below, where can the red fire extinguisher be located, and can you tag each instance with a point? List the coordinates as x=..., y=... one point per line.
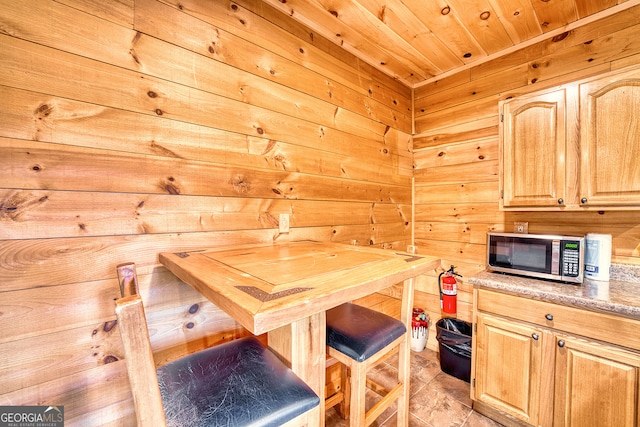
x=448, y=291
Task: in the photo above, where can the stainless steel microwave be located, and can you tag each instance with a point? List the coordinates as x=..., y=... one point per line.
x=541, y=256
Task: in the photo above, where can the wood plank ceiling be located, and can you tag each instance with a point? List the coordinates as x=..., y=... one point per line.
x=418, y=41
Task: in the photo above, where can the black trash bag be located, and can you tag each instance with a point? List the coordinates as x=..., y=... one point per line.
x=454, y=338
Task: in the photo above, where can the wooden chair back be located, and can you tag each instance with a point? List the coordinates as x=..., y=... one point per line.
x=137, y=350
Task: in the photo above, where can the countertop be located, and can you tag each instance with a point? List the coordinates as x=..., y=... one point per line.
x=620, y=296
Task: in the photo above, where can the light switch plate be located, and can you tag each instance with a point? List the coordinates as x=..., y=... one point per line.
x=283, y=224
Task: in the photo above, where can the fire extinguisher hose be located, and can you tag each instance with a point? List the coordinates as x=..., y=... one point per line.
x=440, y=288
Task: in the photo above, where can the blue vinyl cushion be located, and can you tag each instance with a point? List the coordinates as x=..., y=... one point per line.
x=361, y=332
x=239, y=383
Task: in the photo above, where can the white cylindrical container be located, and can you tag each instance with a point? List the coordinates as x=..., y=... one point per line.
x=419, y=338
x=597, y=258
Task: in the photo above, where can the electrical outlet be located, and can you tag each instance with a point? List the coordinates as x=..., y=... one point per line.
x=520, y=227
x=283, y=224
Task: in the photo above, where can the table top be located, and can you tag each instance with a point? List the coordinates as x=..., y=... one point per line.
x=266, y=286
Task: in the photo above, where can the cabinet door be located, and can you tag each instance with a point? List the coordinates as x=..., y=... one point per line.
x=508, y=364
x=596, y=385
x=610, y=140
x=533, y=150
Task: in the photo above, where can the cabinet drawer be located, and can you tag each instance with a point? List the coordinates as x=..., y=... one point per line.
x=600, y=326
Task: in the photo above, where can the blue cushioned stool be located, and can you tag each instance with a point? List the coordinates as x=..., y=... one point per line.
x=359, y=337
x=240, y=383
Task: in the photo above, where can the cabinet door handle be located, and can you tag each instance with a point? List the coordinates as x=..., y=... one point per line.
x=561, y=343
x=583, y=200
x=561, y=201
x=535, y=336
x=549, y=316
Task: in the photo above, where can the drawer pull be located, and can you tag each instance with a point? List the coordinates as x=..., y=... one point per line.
x=535, y=336
x=561, y=343
x=549, y=316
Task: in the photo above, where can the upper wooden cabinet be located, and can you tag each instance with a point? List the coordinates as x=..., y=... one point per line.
x=533, y=150
x=610, y=140
x=573, y=147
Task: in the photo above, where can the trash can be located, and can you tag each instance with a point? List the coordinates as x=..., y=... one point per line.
x=454, y=338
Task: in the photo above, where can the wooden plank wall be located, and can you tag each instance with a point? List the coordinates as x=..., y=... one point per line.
x=132, y=127
x=456, y=151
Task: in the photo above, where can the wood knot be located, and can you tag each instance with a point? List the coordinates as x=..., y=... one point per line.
x=485, y=15
x=44, y=110
x=172, y=189
x=109, y=359
x=108, y=326
x=560, y=37
x=445, y=10
x=239, y=184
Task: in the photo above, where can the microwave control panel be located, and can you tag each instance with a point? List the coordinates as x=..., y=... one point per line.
x=570, y=258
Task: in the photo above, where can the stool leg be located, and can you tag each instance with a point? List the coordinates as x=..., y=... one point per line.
x=403, y=377
x=344, y=408
x=358, y=395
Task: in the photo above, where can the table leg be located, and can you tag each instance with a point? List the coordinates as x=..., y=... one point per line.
x=302, y=344
x=404, y=352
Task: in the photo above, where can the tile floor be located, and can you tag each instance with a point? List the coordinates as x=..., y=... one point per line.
x=436, y=399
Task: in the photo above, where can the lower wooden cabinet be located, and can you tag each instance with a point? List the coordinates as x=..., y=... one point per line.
x=595, y=384
x=507, y=366
x=531, y=374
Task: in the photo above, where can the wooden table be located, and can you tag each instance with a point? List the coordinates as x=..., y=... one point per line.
x=284, y=289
